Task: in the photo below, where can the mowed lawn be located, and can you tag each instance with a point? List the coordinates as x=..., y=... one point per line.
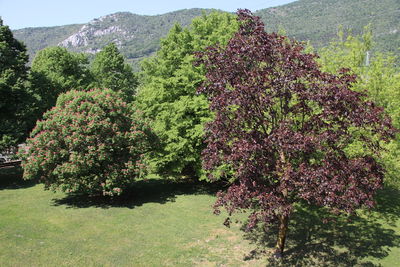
x=165, y=223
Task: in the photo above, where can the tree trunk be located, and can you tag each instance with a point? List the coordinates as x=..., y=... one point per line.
x=283, y=219
x=283, y=227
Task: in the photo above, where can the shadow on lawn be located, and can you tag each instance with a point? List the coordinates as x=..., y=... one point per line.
x=143, y=191
x=343, y=241
x=11, y=178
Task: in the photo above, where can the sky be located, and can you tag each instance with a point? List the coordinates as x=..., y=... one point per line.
x=39, y=13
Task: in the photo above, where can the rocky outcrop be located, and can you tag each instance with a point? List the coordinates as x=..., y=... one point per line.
x=137, y=36
x=92, y=30
x=78, y=39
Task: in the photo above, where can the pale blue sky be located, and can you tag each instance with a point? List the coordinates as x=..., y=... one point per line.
x=35, y=13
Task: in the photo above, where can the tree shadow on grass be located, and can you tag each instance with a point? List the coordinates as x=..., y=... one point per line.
x=387, y=206
x=141, y=192
x=11, y=178
x=342, y=241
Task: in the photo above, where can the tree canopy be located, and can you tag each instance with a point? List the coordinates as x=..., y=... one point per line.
x=110, y=71
x=55, y=70
x=286, y=129
x=377, y=75
x=168, y=93
x=16, y=99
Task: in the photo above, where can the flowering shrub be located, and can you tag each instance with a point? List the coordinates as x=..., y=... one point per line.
x=89, y=142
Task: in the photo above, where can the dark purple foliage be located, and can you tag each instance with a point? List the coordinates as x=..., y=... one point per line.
x=286, y=129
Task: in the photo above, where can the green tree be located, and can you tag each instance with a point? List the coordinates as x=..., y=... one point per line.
x=168, y=93
x=378, y=75
x=90, y=142
x=110, y=71
x=16, y=99
x=55, y=70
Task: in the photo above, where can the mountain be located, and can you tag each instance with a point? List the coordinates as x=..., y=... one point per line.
x=138, y=36
x=319, y=20
x=41, y=37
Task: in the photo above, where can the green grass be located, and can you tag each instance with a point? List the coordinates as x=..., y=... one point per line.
x=171, y=224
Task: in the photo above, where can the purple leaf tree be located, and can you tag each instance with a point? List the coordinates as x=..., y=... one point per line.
x=286, y=130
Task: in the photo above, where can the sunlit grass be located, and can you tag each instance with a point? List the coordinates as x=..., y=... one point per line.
x=171, y=228
x=171, y=224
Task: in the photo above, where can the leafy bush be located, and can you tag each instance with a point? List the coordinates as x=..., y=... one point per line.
x=89, y=143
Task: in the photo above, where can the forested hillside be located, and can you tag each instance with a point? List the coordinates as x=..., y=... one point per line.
x=41, y=37
x=318, y=20
x=135, y=35
x=138, y=36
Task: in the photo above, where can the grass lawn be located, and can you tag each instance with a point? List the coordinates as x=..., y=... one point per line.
x=171, y=224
